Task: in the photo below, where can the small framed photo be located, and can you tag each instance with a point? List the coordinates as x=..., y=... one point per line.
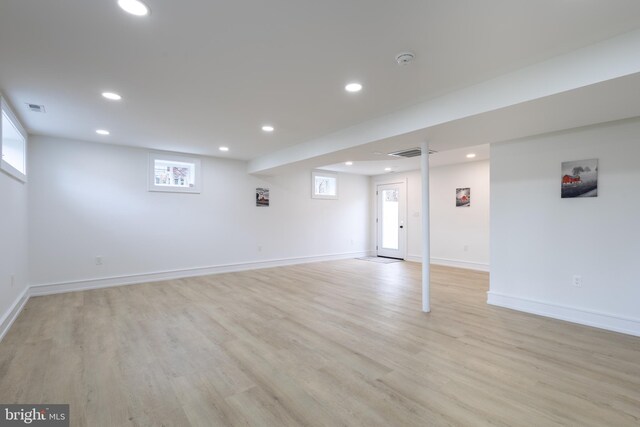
x=463, y=197
x=580, y=179
x=262, y=197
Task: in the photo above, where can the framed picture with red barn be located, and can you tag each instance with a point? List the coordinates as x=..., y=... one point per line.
x=580, y=179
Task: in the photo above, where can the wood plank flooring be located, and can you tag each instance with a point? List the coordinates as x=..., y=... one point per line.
x=326, y=344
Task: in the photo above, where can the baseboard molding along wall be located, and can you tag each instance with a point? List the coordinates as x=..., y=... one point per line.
x=595, y=319
x=469, y=265
x=571, y=314
x=12, y=313
x=106, y=282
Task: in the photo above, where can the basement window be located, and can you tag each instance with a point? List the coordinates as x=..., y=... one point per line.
x=173, y=173
x=14, y=144
x=324, y=185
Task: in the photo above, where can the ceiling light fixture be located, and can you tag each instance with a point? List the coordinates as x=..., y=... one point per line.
x=223, y=148
x=387, y=169
x=111, y=96
x=103, y=132
x=470, y=156
x=268, y=128
x=134, y=7
x=348, y=163
x=353, y=87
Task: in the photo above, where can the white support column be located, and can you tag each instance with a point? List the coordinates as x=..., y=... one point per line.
x=426, y=243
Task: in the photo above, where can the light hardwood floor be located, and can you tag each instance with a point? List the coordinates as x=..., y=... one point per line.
x=326, y=344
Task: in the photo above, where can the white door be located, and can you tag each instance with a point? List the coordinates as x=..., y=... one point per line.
x=391, y=219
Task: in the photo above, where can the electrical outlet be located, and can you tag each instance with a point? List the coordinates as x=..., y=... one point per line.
x=466, y=248
x=577, y=281
x=351, y=242
x=259, y=248
x=98, y=260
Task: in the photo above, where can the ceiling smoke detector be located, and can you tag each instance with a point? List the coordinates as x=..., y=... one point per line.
x=405, y=58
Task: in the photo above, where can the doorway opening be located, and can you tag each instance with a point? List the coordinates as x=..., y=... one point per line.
x=391, y=220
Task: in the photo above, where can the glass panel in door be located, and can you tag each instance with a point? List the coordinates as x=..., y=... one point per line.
x=390, y=219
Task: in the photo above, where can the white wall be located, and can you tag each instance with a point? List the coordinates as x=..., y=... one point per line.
x=452, y=228
x=89, y=200
x=539, y=241
x=13, y=247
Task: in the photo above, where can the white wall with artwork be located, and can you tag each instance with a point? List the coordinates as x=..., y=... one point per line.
x=572, y=258
x=459, y=219
x=90, y=201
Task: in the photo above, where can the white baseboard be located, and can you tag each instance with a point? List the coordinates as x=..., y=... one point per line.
x=596, y=319
x=469, y=265
x=571, y=314
x=14, y=311
x=106, y=282
x=131, y=279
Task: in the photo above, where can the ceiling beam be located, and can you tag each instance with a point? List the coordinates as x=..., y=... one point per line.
x=601, y=62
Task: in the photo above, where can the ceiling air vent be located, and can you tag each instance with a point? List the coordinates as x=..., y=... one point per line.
x=412, y=152
x=36, y=108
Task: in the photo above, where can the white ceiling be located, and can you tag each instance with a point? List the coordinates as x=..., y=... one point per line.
x=198, y=74
x=399, y=164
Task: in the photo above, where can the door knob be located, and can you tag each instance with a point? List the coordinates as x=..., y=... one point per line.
x=402, y=226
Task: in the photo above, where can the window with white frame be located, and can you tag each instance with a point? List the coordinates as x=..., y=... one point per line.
x=174, y=173
x=324, y=185
x=14, y=144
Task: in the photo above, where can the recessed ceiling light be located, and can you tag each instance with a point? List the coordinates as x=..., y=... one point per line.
x=134, y=7
x=348, y=163
x=268, y=128
x=223, y=148
x=112, y=96
x=102, y=132
x=387, y=169
x=470, y=156
x=353, y=87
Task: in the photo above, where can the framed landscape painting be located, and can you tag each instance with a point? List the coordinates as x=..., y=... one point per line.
x=579, y=179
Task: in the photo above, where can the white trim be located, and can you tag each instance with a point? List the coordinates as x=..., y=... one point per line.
x=469, y=265
x=14, y=311
x=606, y=321
x=457, y=263
x=328, y=174
x=611, y=322
x=401, y=181
x=170, y=157
x=131, y=279
x=12, y=172
x=5, y=166
x=106, y=282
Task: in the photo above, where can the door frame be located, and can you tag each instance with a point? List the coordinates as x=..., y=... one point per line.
x=404, y=184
